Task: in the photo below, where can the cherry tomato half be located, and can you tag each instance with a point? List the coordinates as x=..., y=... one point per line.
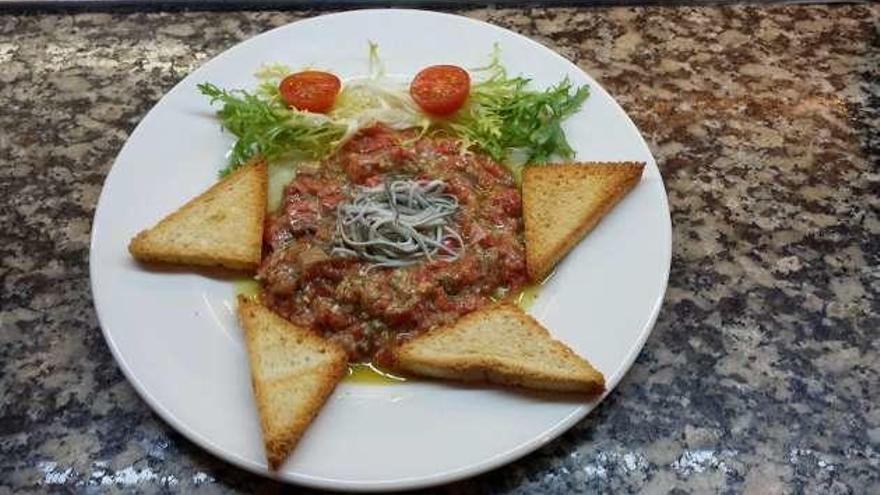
x=440, y=89
x=311, y=90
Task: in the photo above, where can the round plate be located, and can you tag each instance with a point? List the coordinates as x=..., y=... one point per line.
x=175, y=336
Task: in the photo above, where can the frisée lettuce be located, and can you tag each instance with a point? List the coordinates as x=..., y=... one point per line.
x=502, y=116
x=514, y=124
x=266, y=127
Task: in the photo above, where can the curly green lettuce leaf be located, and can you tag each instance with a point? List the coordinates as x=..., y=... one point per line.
x=263, y=126
x=513, y=123
x=269, y=76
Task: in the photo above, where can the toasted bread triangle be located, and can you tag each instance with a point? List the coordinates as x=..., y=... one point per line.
x=499, y=344
x=223, y=226
x=563, y=202
x=293, y=371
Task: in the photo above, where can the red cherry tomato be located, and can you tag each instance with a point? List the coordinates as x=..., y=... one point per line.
x=440, y=89
x=311, y=90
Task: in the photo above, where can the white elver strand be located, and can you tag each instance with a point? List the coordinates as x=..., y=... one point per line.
x=398, y=223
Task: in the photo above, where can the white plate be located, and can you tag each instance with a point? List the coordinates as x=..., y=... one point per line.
x=175, y=336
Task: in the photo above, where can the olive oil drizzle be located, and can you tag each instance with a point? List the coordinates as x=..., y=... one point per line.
x=527, y=296
x=247, y=287
x=371, y=374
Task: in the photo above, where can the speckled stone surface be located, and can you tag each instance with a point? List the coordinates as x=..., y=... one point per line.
x=761, y=375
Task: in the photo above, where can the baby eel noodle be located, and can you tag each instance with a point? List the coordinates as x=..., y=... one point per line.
x=398, y=223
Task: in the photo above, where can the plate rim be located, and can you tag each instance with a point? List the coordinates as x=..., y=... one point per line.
x=404, y=483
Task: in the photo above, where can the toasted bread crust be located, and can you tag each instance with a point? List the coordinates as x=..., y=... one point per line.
x=417, y=357
x=545, y=190
x=279, y=441
x=152, y=245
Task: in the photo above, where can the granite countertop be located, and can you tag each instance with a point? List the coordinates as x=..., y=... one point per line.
x=761, y=374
